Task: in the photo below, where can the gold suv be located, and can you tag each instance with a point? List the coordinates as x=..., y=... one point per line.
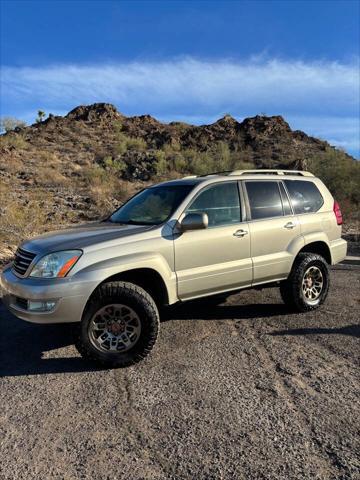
x=173, y=242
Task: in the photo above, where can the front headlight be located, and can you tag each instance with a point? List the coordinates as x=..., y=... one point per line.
x=57, y=264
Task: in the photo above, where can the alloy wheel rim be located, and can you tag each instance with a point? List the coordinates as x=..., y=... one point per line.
x=312, y=284
x=114, y=328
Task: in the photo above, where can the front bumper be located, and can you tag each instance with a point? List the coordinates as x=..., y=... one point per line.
x=69, y=294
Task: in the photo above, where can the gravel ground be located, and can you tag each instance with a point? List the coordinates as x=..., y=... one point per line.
x=245, y=390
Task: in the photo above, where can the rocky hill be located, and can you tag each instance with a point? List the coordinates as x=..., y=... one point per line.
x=87, y=132
x=76, y=167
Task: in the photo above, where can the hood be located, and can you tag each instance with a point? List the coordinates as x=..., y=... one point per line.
x=81, y=236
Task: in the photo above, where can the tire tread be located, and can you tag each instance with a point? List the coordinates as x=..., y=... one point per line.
x=290, y=288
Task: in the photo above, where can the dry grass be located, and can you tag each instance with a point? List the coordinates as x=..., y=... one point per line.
x=13, y=140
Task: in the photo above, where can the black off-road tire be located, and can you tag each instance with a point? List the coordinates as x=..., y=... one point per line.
x=291, y=289
x=137, y=299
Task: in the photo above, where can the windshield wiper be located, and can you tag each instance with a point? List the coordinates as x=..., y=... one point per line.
x=109, y=220
x=128, y=222
x=134, y=222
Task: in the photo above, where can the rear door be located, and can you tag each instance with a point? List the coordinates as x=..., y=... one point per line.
x=273, y=227
x=217, y=258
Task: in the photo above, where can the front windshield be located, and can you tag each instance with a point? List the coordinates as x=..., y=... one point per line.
x=151, y=206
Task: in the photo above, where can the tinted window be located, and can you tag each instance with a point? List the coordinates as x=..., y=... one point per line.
x=285, y=200
x=304, y=195
x=220, y=202
x=264, y=199
x=152, y=206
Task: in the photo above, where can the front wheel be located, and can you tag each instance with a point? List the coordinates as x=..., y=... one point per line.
x=308, y=283
x=119, y=326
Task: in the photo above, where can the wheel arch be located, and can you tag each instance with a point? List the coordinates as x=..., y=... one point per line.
x=147, y=278
x=319, y=247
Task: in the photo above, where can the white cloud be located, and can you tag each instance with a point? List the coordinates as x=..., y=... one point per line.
x=189, y=88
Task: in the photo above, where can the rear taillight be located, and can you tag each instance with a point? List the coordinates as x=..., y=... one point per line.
x=338, y=214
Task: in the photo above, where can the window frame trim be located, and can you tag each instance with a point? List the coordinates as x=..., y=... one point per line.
x=248, y=209
x=288, y=198
x=206, y=187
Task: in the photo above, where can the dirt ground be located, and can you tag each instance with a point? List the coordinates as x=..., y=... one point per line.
x=244, y=390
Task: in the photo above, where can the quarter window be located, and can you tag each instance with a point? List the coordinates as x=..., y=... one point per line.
x=264, y=198
x=220, y=202
x=304, y=196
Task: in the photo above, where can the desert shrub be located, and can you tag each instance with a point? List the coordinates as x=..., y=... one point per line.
x=161, y=165
x=201, y=164
x=114, y=165
x=117, y=126
x=125, y=143
x=138, y=144
x=7, y=124
x=341, y=175
x=95, y=175
x=119, y=148
x=170, y=148
x=219, y=157
x=179, y=163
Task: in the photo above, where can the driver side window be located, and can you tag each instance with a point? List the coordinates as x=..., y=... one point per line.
x=220, y=202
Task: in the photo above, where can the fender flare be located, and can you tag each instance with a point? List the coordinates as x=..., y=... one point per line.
x=105, y=269
x=302, y=241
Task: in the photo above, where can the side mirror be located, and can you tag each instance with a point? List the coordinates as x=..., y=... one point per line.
x=194, y=221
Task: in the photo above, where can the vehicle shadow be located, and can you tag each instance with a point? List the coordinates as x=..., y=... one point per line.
x=23, y=344
x=202, y=310
x=352, y=330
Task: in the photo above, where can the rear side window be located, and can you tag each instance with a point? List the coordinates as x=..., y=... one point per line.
x=305, y=196
x=220, y=202
x=264, y=199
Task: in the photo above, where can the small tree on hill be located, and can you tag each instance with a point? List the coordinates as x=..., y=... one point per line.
x=41, y=116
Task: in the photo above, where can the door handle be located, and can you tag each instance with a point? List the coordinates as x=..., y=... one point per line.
x=240, y=233
x=289, y=225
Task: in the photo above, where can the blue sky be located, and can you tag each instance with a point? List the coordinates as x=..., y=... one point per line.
x=187, y=60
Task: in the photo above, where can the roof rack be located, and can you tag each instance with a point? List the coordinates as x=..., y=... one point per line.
x=264, y=171
x=222, y=172
x=300, y=173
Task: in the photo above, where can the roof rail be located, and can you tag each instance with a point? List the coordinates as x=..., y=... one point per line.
x=264, y=171
x=222, y=172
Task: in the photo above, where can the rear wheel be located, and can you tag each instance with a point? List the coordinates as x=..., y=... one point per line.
x=119, y=326
x=308, y=283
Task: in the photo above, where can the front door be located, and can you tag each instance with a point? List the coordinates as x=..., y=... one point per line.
x=217, y=258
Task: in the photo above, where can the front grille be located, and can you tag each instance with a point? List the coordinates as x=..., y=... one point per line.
x=22, y=261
